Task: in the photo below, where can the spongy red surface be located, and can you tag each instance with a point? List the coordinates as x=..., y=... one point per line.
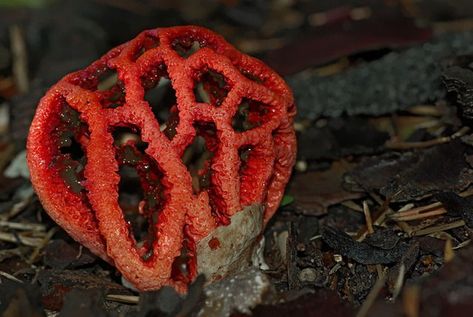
x=92, y=215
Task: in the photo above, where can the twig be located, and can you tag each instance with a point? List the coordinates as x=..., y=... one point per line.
x=370, y=230
x=442, y=227
x=366, y=211
x=448, y=253
x=371, y=298
x=399, y=281
x=43, y=243
x=22, y=226
x=126, y=299
x=418, y=215
x=462, y=244
x=20, y=59
x=10, y=277
x=425, y=110
x=17, y=207
x=352, y=205
x=399, y=145
x=10, y=237
x=434, y=209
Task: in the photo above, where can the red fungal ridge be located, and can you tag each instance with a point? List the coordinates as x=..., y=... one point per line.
x=244, y=115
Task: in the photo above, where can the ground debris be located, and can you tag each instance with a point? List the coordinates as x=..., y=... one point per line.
x=458, y=79
x=55, y=284
x=319, y=303
x=59, y=254
x=315, y=191
x=78, y=303
x=383, y=238
x=238, y=293
x=457, y=206
x=340, y=137
x=360, y=251
x=18, y=300
x=394, y=82
x=413, y=175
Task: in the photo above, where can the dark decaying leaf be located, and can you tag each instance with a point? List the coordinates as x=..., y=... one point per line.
x=340, y=137
x=414, y=175
x=314, y=191
x=408, y=260
x=450, y=290
x=446, y=293
x=19, y=300
x=396, y=81
x=383, y=238
x=343, y=218
x=359, y=251
x=459, y=79
x=166, y=302
x=55, y=284
x=336, y=40
x=79, y=303
x=59, y=254
x=457, y=206
x=318, y=304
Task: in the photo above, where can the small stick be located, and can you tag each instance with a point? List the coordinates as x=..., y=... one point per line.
x=436, y=212
x=126, y=299
x=425, y=110
x=442, y=227
x=448, y=253
x=43, y=243
x=399, y=145
x=10, y=277
x=434, y=209
x=399, y=281
x=10, y=237
x=462, y=245
x=366, y=211
x=17, y=207
x=415, y=210
x=352, y=205
x=22, y=226
x=20, y=59
x=370, y=230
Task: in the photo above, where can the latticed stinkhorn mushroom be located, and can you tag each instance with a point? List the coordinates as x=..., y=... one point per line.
x=100, y=120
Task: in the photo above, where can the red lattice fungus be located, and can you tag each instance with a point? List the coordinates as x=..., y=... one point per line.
x=201, y=129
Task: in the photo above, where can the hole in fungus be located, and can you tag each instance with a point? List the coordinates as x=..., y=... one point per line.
x=186, y=46
x=211, y=87
x=89, y=78
x=70, y=158
x=244, y=154
x=198, y=156
x=141, y=195
x=161, y=97
x=184, y=266
x=250, y=114
x=148, y=42
x=110, y=90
